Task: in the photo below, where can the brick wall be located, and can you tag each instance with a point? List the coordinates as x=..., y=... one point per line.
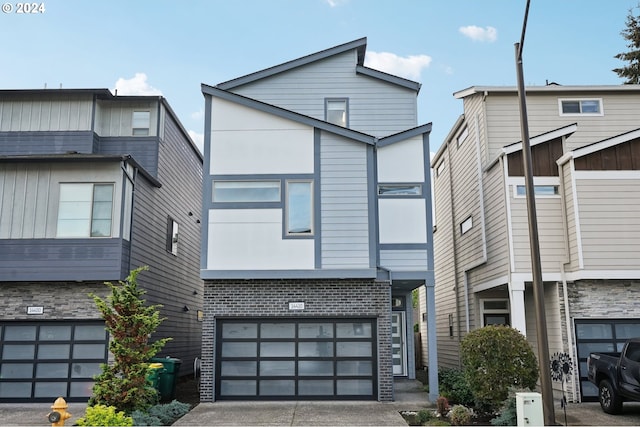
x=322, y=298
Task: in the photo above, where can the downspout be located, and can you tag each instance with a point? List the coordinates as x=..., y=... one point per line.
x=483, y=226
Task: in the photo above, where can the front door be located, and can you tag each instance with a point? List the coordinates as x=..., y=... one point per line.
x=398, y=343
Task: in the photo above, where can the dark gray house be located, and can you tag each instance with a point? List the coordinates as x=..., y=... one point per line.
x=91, y=186
x=318, y=228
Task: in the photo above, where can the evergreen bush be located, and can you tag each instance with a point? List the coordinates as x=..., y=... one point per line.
x=101, y=415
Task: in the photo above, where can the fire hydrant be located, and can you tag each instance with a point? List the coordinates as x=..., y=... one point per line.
x=59, y=414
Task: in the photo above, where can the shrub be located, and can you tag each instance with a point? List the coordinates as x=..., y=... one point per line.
x=508, y=414
x=169, y=412
x=454, y=386
x=130, y=323
x=423, y=416
x=495, y=359
x=442, y=406
x=141, y=418
x=460, y=415
x=101, y=415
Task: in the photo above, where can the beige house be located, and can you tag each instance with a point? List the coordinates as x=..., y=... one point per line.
x=586, y=163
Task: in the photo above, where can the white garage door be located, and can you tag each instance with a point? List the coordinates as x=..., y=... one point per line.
x=41, y=361
x=291, y=359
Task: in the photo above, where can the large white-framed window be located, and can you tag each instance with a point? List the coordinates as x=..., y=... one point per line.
x=299, y=208
x=140, y=123
x=337, y=111
x=85, y=210
x=246, y=191
x=580, y=107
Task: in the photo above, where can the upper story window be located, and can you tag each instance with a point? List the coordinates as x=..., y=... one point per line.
x=246, y=191
x=140, y=123
x=463, y=136
x=399, y=189
x=582, y=106
x=85, y=210
x=336, y=111
x=299, y=208
x=440, y=168
x=466, y=225
x=172, y=236
x=539, y=190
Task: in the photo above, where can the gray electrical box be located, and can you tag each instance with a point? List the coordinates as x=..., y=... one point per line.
x=529, y=409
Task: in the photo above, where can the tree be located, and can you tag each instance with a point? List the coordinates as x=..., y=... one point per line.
x=631, y=33
x=496, y=359
x=130, y=323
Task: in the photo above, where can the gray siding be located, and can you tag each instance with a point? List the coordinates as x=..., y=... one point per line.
x=115, y=117
x=32, y=113
x=344, y=203
x=45, y=142
x=375, y=107
x=398, y=260
x=144, y=150
x=61, y=259
x=173, y=281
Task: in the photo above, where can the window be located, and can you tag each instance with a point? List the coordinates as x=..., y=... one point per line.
x=570, y=107
x=246, y=191
x=299, y=208
x=336, y=112
x=440, y=168
x=85, y=210
x=140, y=123
x=539, y=190
x=399, y=189
x=462, y=137
x=495, y=312
x=466, y=225
x=172, y=236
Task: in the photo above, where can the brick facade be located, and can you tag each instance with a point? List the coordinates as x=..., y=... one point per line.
x=322, y=298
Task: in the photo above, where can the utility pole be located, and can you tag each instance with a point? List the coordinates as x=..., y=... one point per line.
x=536, y=267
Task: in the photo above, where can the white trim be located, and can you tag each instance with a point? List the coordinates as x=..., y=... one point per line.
x=602, y=274
x=484, y=311
x=512, y=255
x=576, y=214
x=545, y=137
x=493, y=283
x=600, y=107
x=514, y=182
x=553, y=276
x=607, y=174
x=598, y=146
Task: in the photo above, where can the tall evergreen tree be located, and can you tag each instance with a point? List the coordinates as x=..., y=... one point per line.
x=630, y=72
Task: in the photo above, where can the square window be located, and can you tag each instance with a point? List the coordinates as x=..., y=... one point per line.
x=337, y=112
x=572, y=107
x=140, y=123
x=85, y=210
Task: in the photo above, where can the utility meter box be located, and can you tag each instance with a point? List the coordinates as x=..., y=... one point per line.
x=529, y=409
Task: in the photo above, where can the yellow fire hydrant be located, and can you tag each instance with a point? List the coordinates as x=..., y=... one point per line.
x=59, y=414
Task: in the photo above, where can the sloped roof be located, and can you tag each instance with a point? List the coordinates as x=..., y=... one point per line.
x=600, y=145
x=543, y=137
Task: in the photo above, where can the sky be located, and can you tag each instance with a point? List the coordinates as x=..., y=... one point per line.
x=168, y=48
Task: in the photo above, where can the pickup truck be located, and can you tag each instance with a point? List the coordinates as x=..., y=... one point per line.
x=617, y=376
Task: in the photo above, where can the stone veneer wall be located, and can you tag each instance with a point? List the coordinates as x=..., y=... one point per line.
x=323, y=298
x=596, y=299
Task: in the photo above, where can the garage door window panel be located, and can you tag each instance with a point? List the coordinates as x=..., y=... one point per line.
x=53, y=351
x=238, y=387
x=277, y=368
x=55, y=333
x=16, y=370
x=277, y=387
x=239, y=368
x=315, y=388
x=18, y=351
x=52, y=370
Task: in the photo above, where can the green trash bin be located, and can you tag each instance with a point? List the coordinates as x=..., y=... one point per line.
x=168, y=377
x=153, y=374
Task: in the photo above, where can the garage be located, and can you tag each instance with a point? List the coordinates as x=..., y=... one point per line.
x=600, y=335
x=309, y=359
x=41, y=361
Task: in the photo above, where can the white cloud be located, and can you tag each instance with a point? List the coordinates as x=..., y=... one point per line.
x=198, y=139
x=136, y=85
x=487, y=34
x=408, y=67
x=334, y=3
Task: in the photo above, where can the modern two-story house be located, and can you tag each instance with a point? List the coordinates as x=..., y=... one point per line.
x=586, y=164
x=92, y=186
x=317, y=227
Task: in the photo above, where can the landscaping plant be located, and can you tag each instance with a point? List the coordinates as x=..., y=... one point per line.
x=101, y=415
x=130, y=322
x=496, y=359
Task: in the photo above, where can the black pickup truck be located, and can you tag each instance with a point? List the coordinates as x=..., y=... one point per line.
x=617, y=376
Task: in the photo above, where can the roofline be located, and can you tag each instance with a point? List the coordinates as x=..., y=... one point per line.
x=403, y=135
x=185, y=133
x=79, y=158
x=600, y=145
x=389, y=78
x=547, y=88
x=360, y=45
x=544, y=137
x=288, y=114
x=443, y=147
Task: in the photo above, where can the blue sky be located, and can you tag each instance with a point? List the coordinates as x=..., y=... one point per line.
x=171, y=47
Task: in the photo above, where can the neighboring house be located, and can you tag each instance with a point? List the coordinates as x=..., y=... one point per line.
x=585, y=145
x=91, y=186
x=317, y=228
